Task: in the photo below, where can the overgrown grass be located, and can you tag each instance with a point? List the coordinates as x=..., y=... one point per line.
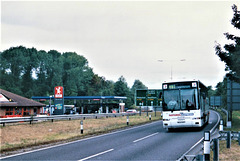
x=25, y=135
x=233, y=153
x=235, y=120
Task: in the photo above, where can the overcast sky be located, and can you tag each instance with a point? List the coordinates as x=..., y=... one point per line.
x=126, y=37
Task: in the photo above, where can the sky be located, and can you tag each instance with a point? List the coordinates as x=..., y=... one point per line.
x=152, y=41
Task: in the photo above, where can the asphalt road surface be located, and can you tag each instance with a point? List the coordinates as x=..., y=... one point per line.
x=146, y=142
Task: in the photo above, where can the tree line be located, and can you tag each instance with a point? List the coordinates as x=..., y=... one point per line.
x=230, y=55
x=29, y=72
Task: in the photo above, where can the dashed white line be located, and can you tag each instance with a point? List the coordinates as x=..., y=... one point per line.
x=145, y=137
x=96, y=155
x=94, y=137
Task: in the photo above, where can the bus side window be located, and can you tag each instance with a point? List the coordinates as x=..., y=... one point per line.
x=202, y=103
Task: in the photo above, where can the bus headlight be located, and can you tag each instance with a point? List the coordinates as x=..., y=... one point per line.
x=166, y=119
x=196, y=118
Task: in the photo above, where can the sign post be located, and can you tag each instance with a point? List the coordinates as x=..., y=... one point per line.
x=58, y=100
x=148, y=98
x=206, y=147
x=233, y=99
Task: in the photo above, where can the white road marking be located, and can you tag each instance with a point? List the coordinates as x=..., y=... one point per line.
x=94, y=137
x=96, y=155
x=145, y=137
x=201, y=138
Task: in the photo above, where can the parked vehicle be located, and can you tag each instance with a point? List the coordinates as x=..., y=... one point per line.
x=131, y=111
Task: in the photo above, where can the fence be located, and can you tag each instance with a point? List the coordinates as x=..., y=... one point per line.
x=31, y=119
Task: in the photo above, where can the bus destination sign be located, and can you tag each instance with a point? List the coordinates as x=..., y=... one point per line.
x=180, y=85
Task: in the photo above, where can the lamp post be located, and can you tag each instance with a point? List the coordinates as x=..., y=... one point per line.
x=50, y=106
x=161, y=61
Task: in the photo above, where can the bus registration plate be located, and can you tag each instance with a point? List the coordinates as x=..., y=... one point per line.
x=181, y=122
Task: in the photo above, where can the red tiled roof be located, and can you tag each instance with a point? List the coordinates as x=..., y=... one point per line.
x=18, y=101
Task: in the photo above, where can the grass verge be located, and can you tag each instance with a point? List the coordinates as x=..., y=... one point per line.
x=233, y=153
x=14, y=137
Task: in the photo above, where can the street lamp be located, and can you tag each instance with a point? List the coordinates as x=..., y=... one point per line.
x=161, y=61
x=50, y=106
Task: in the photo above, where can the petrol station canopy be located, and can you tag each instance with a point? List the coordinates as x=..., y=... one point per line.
x=84, y=97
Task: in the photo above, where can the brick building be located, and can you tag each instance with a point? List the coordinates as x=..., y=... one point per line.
x=13, y=105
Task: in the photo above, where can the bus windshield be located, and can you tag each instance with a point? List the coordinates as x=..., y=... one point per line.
x=180, y=99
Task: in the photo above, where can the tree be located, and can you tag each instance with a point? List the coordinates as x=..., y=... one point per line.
x=231, y=53
x=29, y=72
x=41, y=72
x=12, y=64
x=108, y=87
x=221, y=90
x=73, y=68
x=54, y=70
x=137, y=85
x=211, y=92
x=30, y=65
x=120, y=87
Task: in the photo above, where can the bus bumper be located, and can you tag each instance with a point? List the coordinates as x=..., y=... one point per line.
x=182, y=123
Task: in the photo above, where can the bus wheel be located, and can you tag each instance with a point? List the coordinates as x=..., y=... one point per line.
x=169, y=129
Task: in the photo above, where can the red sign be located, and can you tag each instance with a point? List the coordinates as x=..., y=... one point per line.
x=174, y=114
x=58, y=92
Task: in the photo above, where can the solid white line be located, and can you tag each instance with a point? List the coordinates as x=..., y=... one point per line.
x=96, y=155
x=216, y=123
x=145, y=137
x=94, y=137
x=201, y=138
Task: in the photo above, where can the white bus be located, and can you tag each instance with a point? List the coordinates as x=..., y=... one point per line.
x=184, y=104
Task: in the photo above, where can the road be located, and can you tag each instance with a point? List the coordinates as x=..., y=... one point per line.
x=146, y=142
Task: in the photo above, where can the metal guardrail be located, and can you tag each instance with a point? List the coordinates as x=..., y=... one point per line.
x=233, y=135
x=228, y=123
x=214, y=146
x=31, y=119
x=226, y=112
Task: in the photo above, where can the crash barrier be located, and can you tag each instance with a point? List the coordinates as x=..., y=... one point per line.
x=32, y=119
x=213, y=145
x=228, y=123
x=224, y=135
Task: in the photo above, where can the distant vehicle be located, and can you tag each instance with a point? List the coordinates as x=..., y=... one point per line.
x=69, y=109
x=184, y=104
x=131, y=111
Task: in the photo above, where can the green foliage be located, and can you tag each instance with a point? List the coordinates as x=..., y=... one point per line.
x=121, y=89
x=137, y=85
x=231, y=52
x=28, y=72
x=211, y=92
x=221, y=90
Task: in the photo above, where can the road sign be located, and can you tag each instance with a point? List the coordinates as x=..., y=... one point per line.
x=233, y=95
x=141, y=97
x=215, y=101
x=150, y=97
x=58, y=100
